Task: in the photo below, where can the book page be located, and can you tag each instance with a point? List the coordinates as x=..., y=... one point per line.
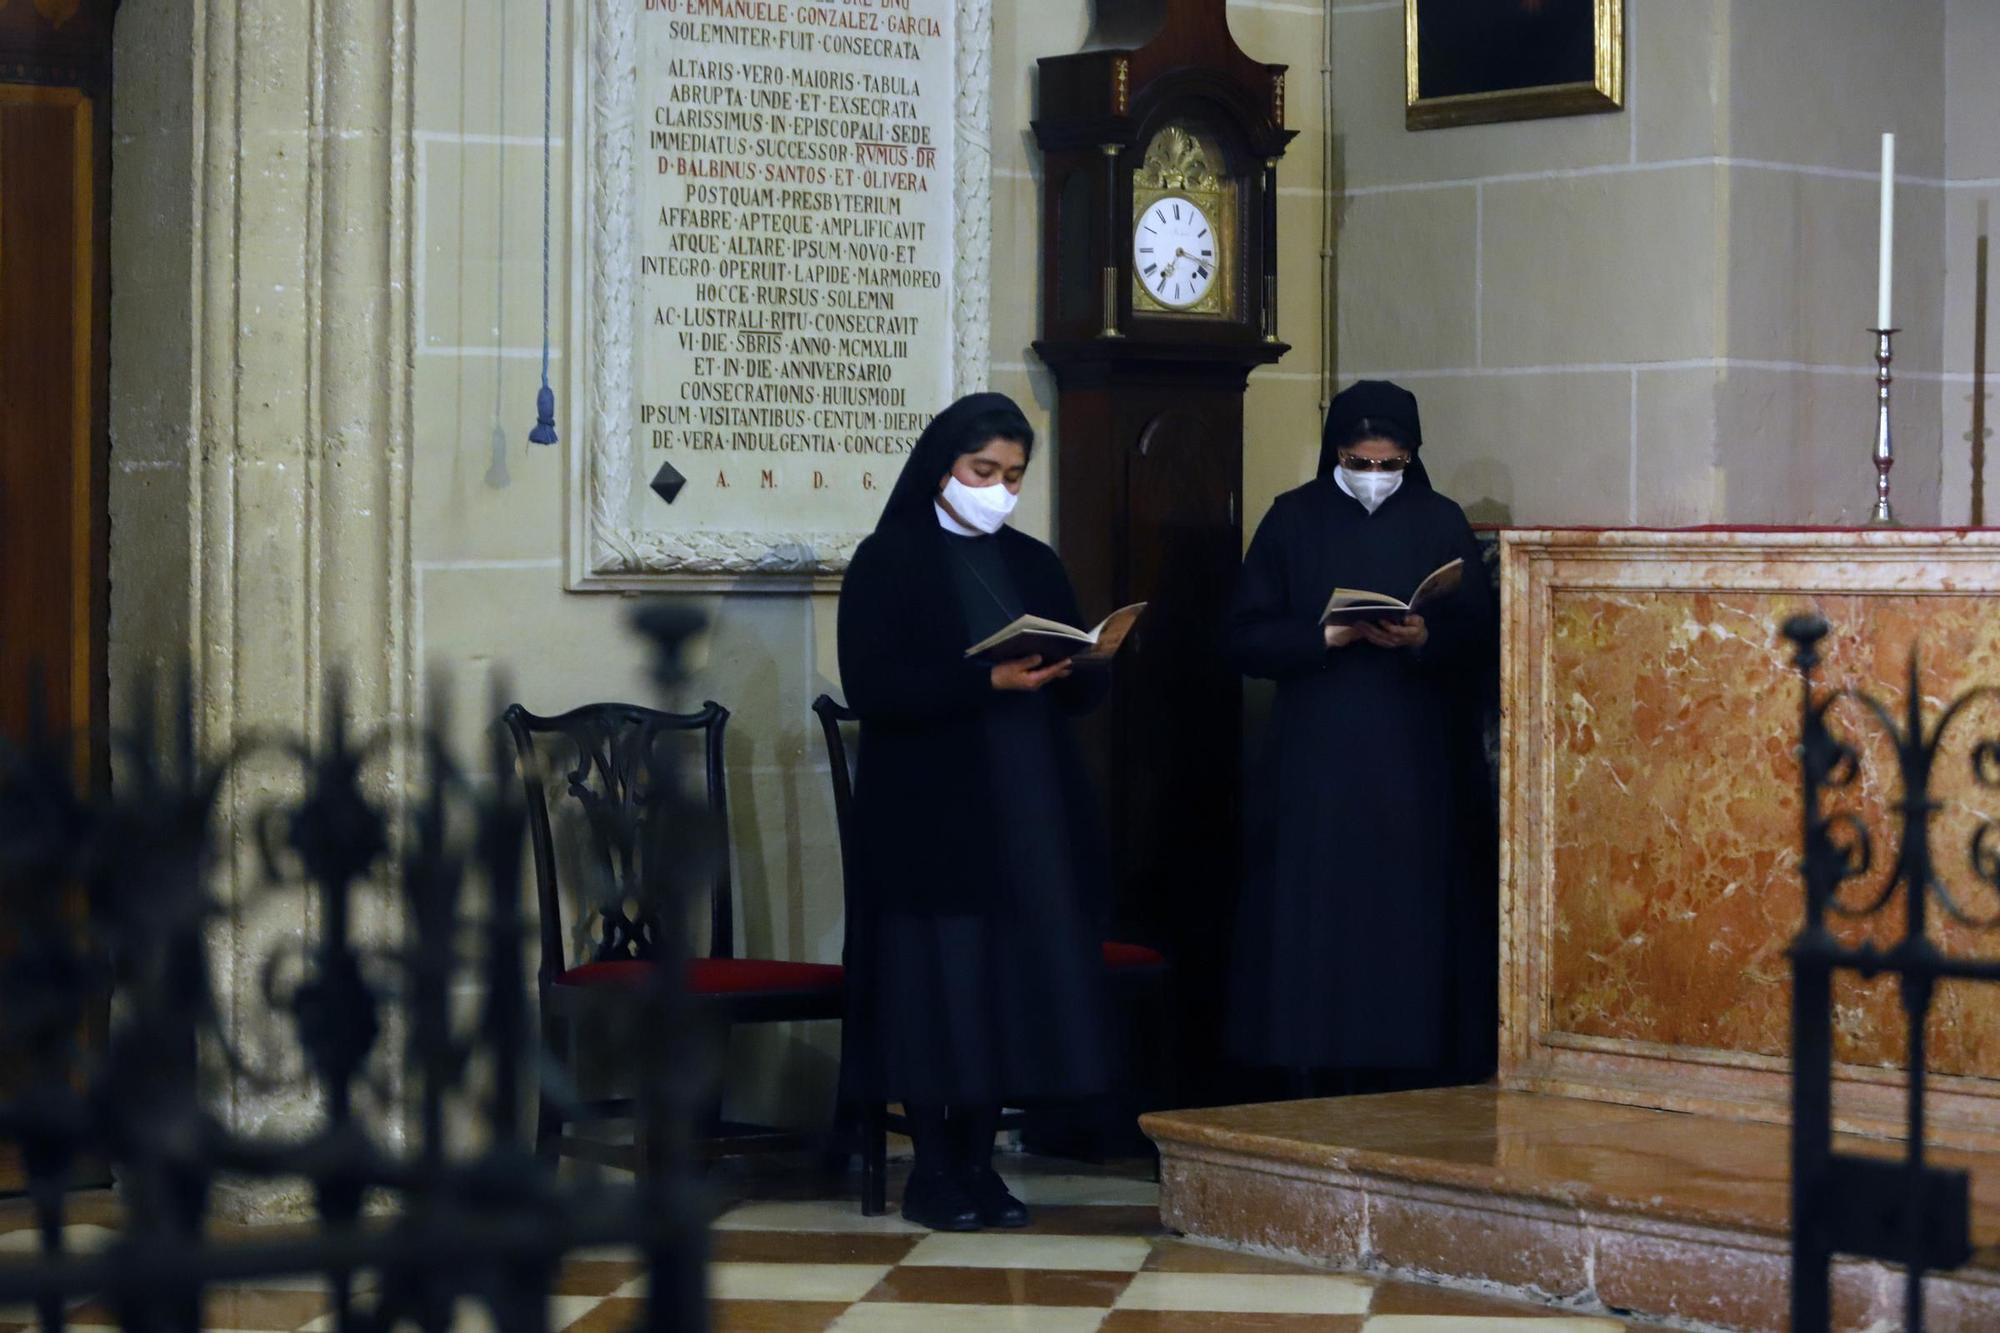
x=1440, y=582
x=1351, y=600
x=1110, y=633
x=1028, y=627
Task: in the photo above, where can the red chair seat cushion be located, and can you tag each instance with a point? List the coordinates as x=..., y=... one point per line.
x=1118, y=954
x=716, y=976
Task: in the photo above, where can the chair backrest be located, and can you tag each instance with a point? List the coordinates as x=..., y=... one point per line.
x=832, y=713
x=603, y=754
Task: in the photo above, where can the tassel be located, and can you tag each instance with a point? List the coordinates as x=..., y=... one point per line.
x=545, y=417
x=545, y=401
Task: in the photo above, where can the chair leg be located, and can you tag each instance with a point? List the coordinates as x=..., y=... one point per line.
x=874, y=1160
x=548, y=1130
x=548, y=1114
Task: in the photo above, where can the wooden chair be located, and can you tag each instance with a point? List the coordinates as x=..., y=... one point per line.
x=1131, y=967
x=601, y=753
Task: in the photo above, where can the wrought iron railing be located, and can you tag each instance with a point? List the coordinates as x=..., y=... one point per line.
x=410, y=1218
x=1902, y=1210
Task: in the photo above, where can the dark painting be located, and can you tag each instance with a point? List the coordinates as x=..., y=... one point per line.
x=1482, y=60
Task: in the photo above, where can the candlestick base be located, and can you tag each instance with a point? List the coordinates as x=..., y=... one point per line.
x=1884, y=456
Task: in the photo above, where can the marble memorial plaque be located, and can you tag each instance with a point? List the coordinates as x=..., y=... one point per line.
x=784, y=217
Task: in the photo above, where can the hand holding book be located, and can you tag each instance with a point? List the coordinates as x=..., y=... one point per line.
x=1408, y=632
x=1028, y=674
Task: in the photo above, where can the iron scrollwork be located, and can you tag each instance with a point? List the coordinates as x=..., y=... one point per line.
x=1903, y=1211
x=409, y=1218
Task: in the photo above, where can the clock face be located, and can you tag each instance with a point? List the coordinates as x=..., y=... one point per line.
x=1174, y=251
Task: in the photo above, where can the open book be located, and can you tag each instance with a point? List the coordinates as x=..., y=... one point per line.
x=1053, y=641
x=1348, y=606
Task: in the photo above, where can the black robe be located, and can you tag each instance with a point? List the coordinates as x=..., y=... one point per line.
x=979, y=857
x=1367, y=910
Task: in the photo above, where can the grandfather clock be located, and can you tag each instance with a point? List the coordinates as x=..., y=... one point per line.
x=1159, y=274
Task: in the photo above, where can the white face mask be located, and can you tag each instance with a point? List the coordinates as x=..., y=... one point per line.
x=1370, y=488
x=983, y=507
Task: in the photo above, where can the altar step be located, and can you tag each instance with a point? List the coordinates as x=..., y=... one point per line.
x=1655, y=1213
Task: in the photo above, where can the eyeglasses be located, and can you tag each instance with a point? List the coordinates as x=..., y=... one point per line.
x=1355, y=463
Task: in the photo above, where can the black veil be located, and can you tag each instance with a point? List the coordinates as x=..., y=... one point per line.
x=1368, y=407
x=960, y=429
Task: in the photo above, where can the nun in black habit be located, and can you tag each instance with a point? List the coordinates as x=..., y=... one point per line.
x=973, y=956
x=1364, y=944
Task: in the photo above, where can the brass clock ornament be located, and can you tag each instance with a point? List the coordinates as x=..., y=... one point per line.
x=1184, y=256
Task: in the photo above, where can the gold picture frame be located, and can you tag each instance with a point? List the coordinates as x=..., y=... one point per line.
x=1474, y=62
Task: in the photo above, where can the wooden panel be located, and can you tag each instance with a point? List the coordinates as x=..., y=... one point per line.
x=51, y=436
x=1149, y=512
x=66, y=43
x=1177, y=711
x=46, y=527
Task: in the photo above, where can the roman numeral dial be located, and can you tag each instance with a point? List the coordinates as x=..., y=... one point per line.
x=1175, y=251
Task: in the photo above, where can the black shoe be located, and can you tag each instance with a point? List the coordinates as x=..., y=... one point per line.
x=939, y=1202
x=997, y=1207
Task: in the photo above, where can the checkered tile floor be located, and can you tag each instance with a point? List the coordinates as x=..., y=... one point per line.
x=1095, y=1261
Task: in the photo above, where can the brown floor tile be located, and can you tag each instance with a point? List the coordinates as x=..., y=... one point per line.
x=808, y=1247
x=233, y=1308
x=99, y=1207
x=769, y=1316
x=999, y=1286
x=1422, y=1298
x=595, y=1277
x=613, y=1316
x=623, y=1314
x=1094, y=1220
x=1179, y=1256
x=1225, y=1321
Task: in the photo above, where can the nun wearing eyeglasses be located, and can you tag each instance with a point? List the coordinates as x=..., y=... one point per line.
x=1365, y=915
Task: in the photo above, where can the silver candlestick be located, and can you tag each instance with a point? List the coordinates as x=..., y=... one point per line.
x=1885, y=440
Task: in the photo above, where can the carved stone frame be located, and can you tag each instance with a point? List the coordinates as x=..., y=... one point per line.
x=606, y=553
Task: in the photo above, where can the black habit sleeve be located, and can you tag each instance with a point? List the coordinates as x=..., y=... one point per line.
x=1267, y=635
x=894, y=666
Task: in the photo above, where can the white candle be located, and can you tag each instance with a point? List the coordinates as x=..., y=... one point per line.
x=1888, y=231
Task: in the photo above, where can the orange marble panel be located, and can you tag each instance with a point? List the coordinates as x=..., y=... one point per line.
x=1651, y=828
x=1676, y=889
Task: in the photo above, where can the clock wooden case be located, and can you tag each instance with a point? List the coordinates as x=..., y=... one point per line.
x=1150, y=381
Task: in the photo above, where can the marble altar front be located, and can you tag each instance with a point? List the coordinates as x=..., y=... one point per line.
x=1651, y=811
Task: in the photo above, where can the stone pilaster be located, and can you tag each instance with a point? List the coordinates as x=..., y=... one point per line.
x=261, y=387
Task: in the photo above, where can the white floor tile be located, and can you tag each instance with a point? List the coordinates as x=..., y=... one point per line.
x=889, y=1317
x=792, y=1282
x=1309, y=1293
x=1109, y=1254
x=840, y=1215
x=78, y=1238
